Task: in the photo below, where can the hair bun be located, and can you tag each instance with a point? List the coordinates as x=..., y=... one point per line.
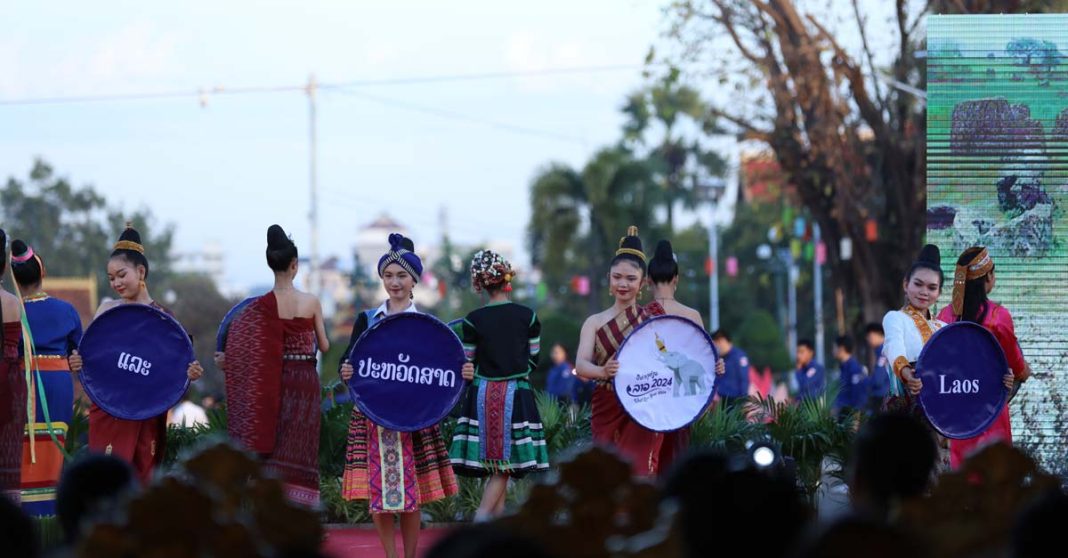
x=277, y=238
x=18, y=248
x=398, y=241
x=130, y=234
x=930, y=254
x=664, y=251
x=632, y=240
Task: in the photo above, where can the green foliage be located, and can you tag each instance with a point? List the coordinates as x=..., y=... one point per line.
x=658, y=119
x=332, y=359
x=762, y=339
x=1039, y=57
x=810, y=433
x=565, y=429
x=577, y=218
x=73, y=229
x=556, y=327
x=456, y=508
x=338, y=509
x=78, y=430
x=200, y=308
x=49, y=533
x=333, y=439
x=182, y=440
x=725, y=430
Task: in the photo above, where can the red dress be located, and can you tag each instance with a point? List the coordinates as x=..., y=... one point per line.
x=295, y=458
x=12, y=410
x=650, y=453
x=999, y=322
x=273, y=393
x=139, y=442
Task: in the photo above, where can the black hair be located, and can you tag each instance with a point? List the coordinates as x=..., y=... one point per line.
x=27, y=273
x=3, y=251
x=754, y=502
x=902, y=473
x=929, y=258
x=18, y=534
x=91, y=485
x=874, y=328
x=807, y=343
x=721, y=334
x=280, y=249
x=1038, y=526
x=845, y=342
x=860, y=535
x=632, y=242
x=663, y=267
x=975, y=306
x=134, y=257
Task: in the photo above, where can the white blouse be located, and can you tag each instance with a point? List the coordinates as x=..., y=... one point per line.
x=907, y=330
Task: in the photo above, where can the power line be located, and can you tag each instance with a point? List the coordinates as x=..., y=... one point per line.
x=203, y=93
x=490, y=75
x=444, y=113
x=177, y=94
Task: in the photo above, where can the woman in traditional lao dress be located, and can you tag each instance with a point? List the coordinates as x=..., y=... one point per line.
x=139, y=442
x=272, y=384
x=55, y=331
x=396, y=472
x=602, y=334
x=973, y=279
x=907, y=331
x=499, y=433
x=664, y=280
x=12, y=387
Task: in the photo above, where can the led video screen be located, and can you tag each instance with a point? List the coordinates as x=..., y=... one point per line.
x=997, y=176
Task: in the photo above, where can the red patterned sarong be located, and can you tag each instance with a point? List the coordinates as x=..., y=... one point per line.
x=649, y=452
x=272, y=387
x=254, y=347
x=12, y=410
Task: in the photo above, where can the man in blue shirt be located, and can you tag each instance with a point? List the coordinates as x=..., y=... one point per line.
x=853, y=383
x=878, y=376
x=810, y=375
x=733, y=385
x=560, y=382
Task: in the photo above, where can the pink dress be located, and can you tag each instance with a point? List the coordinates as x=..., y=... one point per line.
x=999, y=322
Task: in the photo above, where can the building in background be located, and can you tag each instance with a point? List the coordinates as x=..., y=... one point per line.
x=209, y=260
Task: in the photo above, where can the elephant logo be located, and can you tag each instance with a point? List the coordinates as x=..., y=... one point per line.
x=689, y=374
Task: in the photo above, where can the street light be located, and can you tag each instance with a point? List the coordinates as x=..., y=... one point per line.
x=709, y=190
x=783, y=261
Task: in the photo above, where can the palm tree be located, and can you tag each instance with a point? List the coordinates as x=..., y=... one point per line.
x=677, y=161
x=576, y=216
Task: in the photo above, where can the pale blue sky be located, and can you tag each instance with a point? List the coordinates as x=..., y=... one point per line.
x=228, y=170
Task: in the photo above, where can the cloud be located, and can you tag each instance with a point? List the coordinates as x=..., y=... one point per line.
x=526, y=51
x=135, y=56
x=136, y=51
x=12, y=70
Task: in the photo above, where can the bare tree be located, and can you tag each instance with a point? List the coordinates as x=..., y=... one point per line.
x=846, y=127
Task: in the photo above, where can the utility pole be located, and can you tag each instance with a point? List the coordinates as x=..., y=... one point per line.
x=792, y=274
x=817, y=282
x=713, y=276
x=315, y=285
